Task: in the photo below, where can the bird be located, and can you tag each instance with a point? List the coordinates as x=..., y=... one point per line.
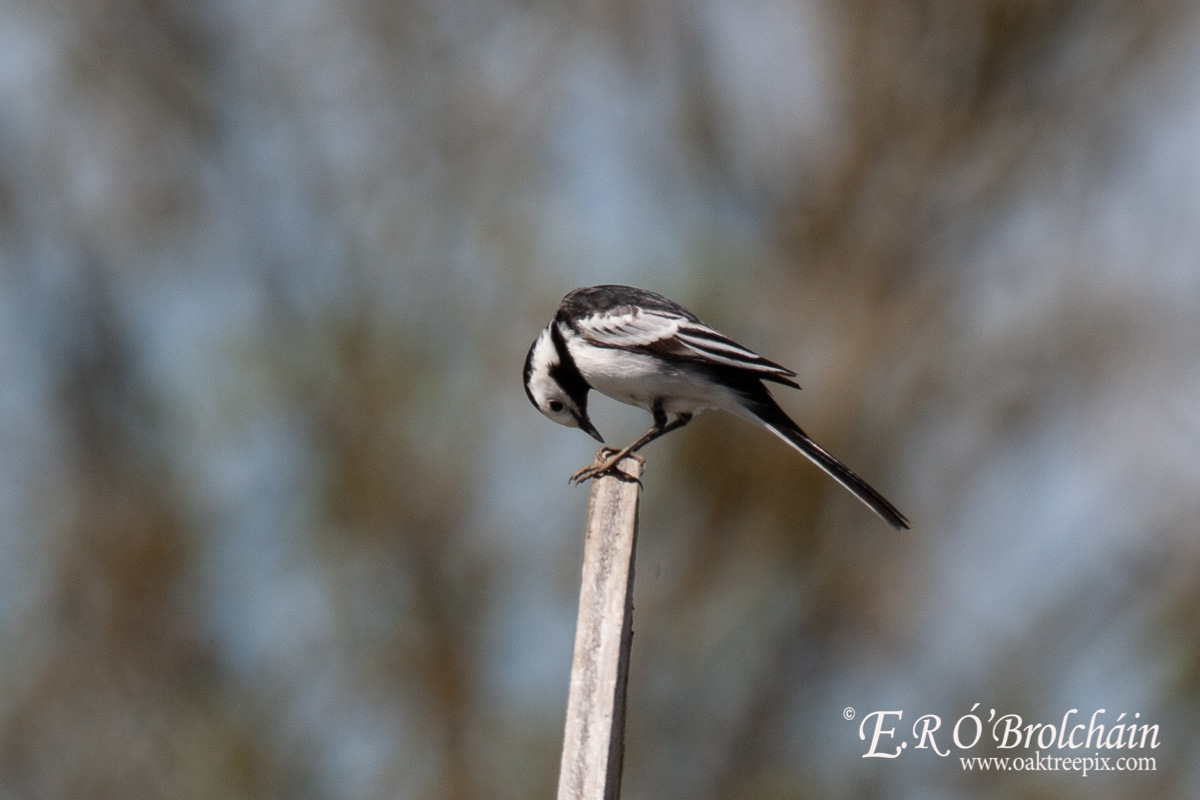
x=643, y=349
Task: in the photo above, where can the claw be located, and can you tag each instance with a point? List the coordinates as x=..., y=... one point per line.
x=591, y=471
x=582, y=475
x=609, y=458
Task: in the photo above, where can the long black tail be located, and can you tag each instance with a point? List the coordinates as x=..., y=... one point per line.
x=780, y=424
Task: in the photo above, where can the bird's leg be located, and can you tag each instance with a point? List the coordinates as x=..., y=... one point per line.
x=656, y=430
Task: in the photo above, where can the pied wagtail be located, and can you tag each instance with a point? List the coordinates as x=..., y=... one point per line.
x=640, y=348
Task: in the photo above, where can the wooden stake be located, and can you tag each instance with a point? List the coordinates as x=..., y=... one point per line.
x=594, y=740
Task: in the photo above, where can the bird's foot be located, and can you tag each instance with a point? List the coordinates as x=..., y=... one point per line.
x=607, y=460
x=605, y=463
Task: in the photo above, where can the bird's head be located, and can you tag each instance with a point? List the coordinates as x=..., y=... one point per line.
x=554, y=384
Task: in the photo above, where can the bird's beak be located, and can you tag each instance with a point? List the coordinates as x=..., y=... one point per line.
x=587, y=427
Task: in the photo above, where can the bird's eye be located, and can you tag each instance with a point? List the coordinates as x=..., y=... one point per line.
x=555, y=406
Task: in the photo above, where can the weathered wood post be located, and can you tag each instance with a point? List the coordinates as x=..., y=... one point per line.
x=594, y=740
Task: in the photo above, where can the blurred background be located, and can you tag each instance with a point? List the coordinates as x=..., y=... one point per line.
x=277, y=520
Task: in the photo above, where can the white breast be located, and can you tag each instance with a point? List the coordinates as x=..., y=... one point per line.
x=642, y=380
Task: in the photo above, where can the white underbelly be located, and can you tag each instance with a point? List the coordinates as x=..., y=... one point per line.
x=641, y=380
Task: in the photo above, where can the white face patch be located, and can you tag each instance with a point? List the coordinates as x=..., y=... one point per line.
x=549, y=397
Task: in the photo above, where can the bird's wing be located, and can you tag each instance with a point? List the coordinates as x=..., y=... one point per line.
x=674, y=336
